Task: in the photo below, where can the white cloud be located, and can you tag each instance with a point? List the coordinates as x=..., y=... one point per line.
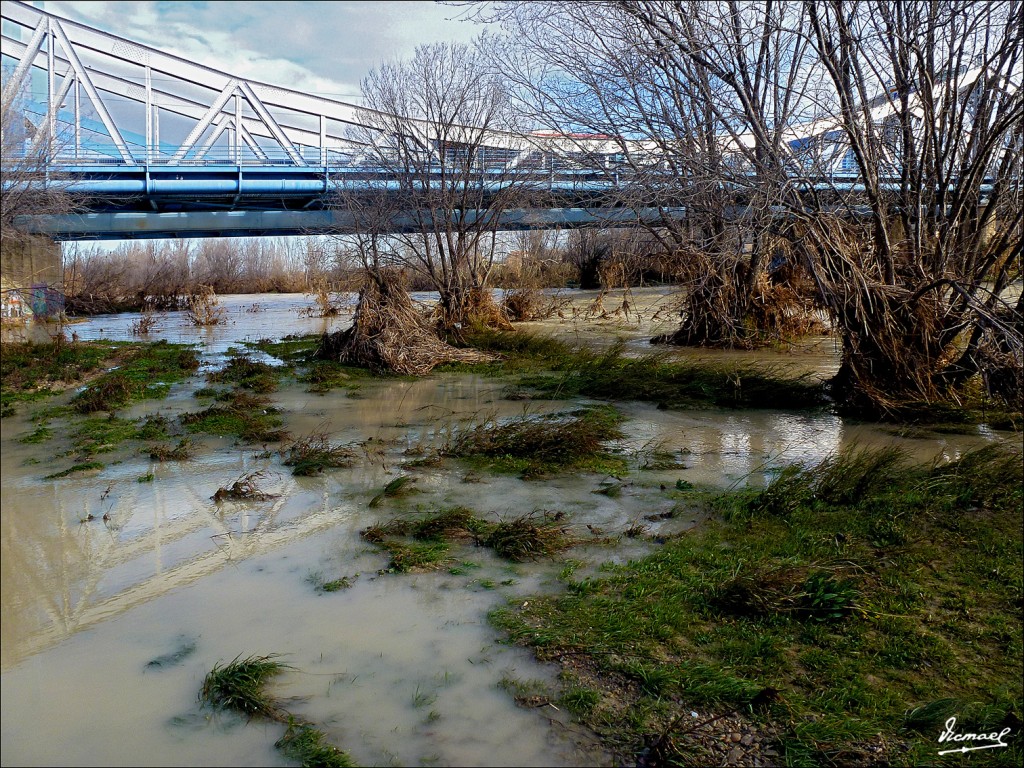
x=320, y=47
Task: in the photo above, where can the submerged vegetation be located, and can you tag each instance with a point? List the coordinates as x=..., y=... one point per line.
x=539, y=444
x=31, y=372
x=838, y=616
x=250, y=418
x=312, y=454
x=830, y=612
x=423, y=544
x=240, y=685
x=556, y=369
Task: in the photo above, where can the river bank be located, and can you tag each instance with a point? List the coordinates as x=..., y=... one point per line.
x=126, y=581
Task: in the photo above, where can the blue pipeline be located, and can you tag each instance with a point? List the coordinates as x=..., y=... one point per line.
x=243, y=181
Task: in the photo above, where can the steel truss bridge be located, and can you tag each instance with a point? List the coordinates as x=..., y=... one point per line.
x=158, y=146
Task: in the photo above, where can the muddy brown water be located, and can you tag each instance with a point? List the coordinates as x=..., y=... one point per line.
x=109, y=626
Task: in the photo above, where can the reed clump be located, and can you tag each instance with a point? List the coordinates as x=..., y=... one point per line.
x=389, y=335
x=240, y=685
x=538, y=444
x=312, y=454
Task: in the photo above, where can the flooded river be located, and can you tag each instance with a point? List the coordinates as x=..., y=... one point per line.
x=110, y=624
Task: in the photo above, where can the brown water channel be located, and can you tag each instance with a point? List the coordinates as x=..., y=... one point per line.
x=397, y=669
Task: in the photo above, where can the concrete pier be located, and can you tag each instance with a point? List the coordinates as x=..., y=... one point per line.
x=31, y=277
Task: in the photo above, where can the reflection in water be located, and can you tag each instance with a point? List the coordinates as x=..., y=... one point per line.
x=398, y=669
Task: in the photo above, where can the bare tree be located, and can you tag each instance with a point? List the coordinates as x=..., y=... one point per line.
x=26, y=149
x=880, y=143
x=687, y=97
x=27, y=188
x=440, y=127
x=929, y=100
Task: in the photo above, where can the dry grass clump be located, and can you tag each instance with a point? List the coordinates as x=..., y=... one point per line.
x=474, y=308
x=526, y=304
x=541, y=442
x=245, y=488
x=314, y=453
x=204, y=308
x=388, y=335
x=181, y=452
x=801, y=591
x=146, y=323
x=528, y=537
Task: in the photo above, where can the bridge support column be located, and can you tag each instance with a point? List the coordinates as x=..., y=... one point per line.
x=31, y=278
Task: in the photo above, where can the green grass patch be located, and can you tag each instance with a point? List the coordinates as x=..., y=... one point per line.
x=840, y=608
x=325, y=375
x=40, y=434
x=102, y=434
x=154, y=427
x=30, y=372
x=239, y=685
x=81, y=467
x=248, y=417
x=290, y=349
x=249, y=374
x=146, y=372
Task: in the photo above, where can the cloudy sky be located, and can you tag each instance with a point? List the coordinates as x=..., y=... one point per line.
x=321, y=47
